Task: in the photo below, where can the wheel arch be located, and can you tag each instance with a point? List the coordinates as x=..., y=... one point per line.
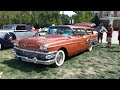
x=9, y=34
x=13, y=34
x=65, y=50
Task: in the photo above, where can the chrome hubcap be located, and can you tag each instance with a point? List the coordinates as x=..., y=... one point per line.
x=60, y=58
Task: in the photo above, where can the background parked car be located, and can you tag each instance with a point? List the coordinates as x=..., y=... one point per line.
x=12, y=32
x=42, y=31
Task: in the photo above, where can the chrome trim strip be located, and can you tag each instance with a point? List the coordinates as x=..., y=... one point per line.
x=66, y=44
x=32, y=51
x=35, y=60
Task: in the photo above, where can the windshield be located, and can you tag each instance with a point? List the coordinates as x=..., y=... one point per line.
x=65, y=31
x=9, y=27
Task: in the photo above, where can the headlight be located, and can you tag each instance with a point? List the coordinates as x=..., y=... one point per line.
x=16, y=44
x=43, y=48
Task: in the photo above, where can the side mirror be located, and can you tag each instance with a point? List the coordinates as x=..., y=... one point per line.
x=69, y=37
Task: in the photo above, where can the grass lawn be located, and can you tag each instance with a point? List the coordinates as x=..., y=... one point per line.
x=101, y=63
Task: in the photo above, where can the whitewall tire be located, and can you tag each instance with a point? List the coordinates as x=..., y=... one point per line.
x=60, y=58
x=90, y=47
x=0, y=46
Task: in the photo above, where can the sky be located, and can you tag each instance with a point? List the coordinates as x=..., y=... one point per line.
x=69, y=13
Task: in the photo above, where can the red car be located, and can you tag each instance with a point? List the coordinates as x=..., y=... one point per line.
x=62, y=41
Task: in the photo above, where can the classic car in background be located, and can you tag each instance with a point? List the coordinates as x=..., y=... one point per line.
x=61, y=42
x=86, y=24
x=14, y=31
x=42, y=31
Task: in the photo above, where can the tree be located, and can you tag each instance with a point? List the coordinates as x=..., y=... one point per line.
x=65, y=19
x=37, y=18
x=96, y=20
x=82, y=16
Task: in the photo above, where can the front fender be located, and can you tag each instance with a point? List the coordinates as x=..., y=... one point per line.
x=6, y=43
x=2, y=34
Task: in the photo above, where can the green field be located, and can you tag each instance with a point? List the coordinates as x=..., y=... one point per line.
x=101, y=63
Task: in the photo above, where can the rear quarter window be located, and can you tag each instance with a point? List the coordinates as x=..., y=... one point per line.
x=89, y=31
x=20, y=28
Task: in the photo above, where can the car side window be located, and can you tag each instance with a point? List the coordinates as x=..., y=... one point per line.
x=82, y=32
x=79, y=32
x=20, y=28
x=89, y=31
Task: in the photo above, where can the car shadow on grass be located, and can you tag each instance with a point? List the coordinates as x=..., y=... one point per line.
x=25, y=66
x=3, y=49
x=76, y=55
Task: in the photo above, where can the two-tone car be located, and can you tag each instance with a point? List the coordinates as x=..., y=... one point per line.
x=11, y=32
x=62, y=41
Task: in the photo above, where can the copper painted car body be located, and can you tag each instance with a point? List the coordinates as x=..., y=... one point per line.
x=62, y=41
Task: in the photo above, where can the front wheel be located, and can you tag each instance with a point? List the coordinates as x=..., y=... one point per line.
x=60, y=58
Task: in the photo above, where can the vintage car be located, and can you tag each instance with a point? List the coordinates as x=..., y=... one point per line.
x=14, y=31
x=61, y=42
x=43, y=31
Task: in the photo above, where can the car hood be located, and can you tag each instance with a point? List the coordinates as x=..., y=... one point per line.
x=44, y=39
x=33, y=42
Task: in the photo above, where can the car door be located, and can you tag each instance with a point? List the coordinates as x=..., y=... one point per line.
x=92, y=36
x=82, y=41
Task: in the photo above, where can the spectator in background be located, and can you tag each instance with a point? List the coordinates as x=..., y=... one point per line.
x=33, y=27
x=109, y=35
x=119, y=37
x=100, y=30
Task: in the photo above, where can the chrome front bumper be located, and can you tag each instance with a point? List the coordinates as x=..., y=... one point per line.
x=34, y=60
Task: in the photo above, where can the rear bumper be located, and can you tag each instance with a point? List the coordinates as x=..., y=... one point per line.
x=50, y=55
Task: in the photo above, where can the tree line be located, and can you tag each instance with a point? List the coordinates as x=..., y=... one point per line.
x=43, y=18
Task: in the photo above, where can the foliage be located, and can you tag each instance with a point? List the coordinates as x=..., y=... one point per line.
x=38, y=18
x=82, y=16
x=96, y=20
x=65, y=19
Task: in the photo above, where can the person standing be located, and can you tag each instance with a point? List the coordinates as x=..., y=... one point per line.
x=119, y=37
x=100, y=30
x=109, y=35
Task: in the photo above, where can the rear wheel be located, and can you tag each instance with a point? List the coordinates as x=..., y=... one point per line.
x=0, y=46
x=90, y=47
x=60, y=58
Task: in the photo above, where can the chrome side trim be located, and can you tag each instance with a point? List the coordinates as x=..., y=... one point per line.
x=32, y=51
x=66, y=44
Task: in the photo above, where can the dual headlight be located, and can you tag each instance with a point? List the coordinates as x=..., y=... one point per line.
x=42, y=47
x=16, y=44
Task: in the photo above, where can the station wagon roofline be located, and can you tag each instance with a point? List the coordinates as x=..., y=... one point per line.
x=72, y=26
